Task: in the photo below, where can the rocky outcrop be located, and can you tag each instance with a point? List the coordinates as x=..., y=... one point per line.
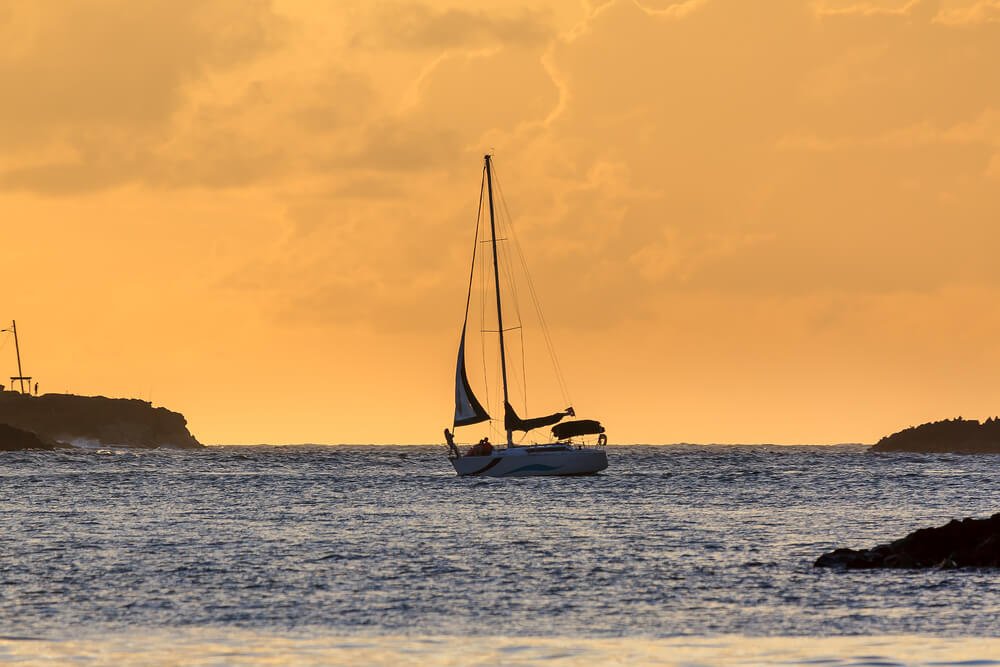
x=964, y=436
x=965, y=543
x=96, y=419
x=16, y=439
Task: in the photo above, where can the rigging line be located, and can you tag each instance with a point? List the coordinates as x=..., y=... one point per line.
x=486, y=288
x=551, y=348
x=501, y=421
x=472, y=268
x=524, y=371
x=482, y=296
x=506, y=225
x=475, y=248
x=557, y=367
x=508, y=274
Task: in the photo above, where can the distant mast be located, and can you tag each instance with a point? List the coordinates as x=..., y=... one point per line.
x=17, y=348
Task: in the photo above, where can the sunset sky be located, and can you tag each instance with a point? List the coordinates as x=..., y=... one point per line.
x=773, y=221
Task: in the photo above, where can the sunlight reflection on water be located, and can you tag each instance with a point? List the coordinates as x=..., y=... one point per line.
x=677, y=555
x=194, y=647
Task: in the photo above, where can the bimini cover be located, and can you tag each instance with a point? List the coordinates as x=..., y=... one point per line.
x=577, y=427
x=468, y=410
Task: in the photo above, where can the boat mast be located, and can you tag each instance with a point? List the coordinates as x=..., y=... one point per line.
x=496, y=282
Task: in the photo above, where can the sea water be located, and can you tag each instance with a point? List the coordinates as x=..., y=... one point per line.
x=694, y=555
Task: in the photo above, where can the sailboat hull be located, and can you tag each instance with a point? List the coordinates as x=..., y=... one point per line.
x=528, y=462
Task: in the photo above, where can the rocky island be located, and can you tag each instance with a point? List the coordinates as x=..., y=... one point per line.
x=965, y=543
x=965, y=436
x=95, y=420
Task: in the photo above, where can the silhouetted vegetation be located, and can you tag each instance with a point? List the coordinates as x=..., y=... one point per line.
x=950, y=435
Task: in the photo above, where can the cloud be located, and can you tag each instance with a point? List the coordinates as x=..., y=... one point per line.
x=97, y=85
x=416, y=26
x=656, y=147
x=112, y=64
x=721, y=146
x=702, y=107
x=987, y=11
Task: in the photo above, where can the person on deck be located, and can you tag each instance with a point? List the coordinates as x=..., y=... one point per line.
x=482, y=448
x=450, y=439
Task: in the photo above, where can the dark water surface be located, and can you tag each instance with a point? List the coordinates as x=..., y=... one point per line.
x=367, y=542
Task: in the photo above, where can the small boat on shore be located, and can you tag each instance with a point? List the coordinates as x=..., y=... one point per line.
x=568, y=452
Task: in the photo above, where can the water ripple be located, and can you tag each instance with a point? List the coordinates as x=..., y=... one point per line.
x=671, y=541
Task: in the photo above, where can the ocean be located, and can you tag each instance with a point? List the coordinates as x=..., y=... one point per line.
x=676, y=555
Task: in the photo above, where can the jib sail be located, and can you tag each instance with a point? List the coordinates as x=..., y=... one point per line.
x=468, y=409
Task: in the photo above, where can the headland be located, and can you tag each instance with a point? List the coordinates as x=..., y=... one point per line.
x=962, y=436
x=95, y=420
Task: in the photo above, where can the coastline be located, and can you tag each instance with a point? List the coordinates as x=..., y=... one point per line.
x=96, y=420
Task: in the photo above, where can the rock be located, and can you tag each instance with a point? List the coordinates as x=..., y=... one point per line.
x=962, y=436
x=16, y=439
x=99, y=420
x=947, y=564
x=965, y=543
x=899, y=560
x=988, y=550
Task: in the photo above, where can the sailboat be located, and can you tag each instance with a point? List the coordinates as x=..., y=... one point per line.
x=567, y=452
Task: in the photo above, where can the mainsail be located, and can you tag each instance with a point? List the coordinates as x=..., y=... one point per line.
x=514, y=423
x=468, y=409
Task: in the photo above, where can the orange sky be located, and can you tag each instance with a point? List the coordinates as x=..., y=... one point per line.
x=259, y=214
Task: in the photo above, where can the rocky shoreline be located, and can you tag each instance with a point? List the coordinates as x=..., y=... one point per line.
x=55, y=419
x=958, y=436
x=964, y=543
x=14, y=439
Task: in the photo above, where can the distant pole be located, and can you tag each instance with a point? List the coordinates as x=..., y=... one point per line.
x=17, y=349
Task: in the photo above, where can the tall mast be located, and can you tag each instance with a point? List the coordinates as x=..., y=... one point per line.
x=496, y=282
x=17, y=348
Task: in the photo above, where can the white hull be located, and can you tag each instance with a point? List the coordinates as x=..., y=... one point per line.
x=533, y=462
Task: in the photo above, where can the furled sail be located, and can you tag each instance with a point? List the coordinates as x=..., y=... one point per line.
x=468, y=409
x=514, y=423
